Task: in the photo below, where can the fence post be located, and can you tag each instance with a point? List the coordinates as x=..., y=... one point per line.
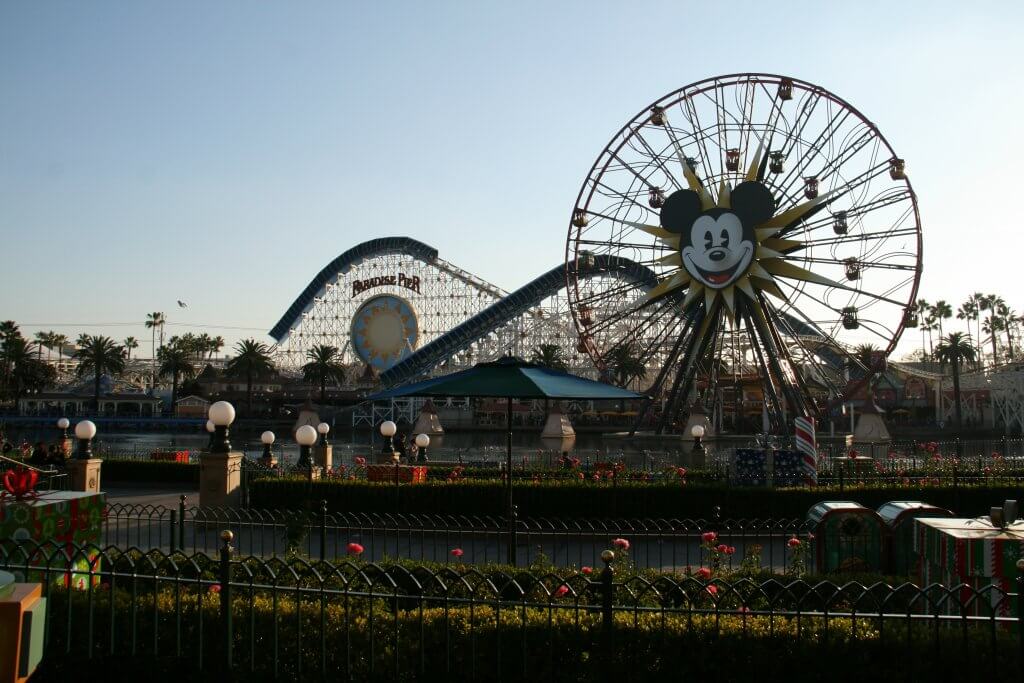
x=225, y=597
x=841, y=482
x=956, y=490
x=1020, y=609
x=174, y=531
x=181, y=523
x=513, y=516
x=323, y=530
x=607, y=600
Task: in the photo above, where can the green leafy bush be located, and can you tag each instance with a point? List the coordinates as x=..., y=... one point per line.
x=605, y=499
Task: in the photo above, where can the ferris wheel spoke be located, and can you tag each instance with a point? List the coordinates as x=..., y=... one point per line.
x=793, y=175
x=659, y=160
x=829, y=306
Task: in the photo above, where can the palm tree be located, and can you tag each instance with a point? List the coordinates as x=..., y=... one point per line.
x=216, y=344
x=42, y=341
x=82, y=340
x=175, y=363
x=549, y=356
x=252, y=358
x=99, y=355
x=25, y=370
x=923, y=309
x=625, y=365
x=955, y=349
x=323, y=365
x=153, y=321
x=992, y=326
x=60, y=341
x=941, y=311
x=129, y=344
x=203, y=342
x=8, y=329
x=1009, y=320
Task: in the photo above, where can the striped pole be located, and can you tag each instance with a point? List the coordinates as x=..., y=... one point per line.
x=807, y=446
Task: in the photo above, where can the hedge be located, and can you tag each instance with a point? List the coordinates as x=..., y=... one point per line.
x=141, y=637
x=150, y=471
x=624, y=499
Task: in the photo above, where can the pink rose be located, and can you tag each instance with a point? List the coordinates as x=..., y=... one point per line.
x=704, y=573
x=621, y=543
x=215, y=588
x=712, y=589
x=355, y=549
x=456, y=552
x=587, y=570
x=731, y=550
x=722, y=548
x=793, y=542
x=708, y=536
x=561, y=590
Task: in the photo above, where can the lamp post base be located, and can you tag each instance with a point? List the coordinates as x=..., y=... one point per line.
x=85, y=474
x=323, y=456
x=220, y=479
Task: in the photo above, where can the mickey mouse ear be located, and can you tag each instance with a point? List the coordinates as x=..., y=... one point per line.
x=681, y=209
x=752, y=202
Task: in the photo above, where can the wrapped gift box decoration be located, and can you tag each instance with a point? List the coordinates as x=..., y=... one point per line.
x=407, y=474
x=71, y=519
x=786, y=468
x=751, y=467
x=975, y=553
x=169, y=456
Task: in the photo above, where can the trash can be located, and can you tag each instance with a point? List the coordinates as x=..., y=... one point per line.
x=22, y=624
x=848, y=537
x=904, y=560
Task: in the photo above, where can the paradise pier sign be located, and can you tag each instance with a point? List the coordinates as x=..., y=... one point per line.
x=401, y=280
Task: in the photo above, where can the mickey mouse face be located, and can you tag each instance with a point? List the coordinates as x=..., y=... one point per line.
x=717, y=245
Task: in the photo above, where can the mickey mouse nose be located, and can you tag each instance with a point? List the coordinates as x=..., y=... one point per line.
x=716, y=254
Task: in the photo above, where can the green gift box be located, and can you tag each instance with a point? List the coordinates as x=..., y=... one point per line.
x=72, y=520
x=976, y=554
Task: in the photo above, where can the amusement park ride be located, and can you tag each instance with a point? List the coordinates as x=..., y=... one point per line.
x=745, y=227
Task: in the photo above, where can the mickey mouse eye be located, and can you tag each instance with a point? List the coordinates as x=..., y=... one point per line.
x=708, y=240
x=725, y=239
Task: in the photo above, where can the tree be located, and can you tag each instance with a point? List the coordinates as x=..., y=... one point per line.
x=1009, y=321
x=154, y=321
x=324, y=364
x=252, y=358
x=60, y=341
x=923, y=309
x=941, y=311
x=955, y=349
x=625, y=364
x=549, y=356
x=29, y=373
x=42, y=341
x=18, y=357
x=175, y=363
x=100, y=355
x=216, y=344
x=129, y=344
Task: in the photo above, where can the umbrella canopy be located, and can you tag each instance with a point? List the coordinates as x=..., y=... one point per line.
x=510, y=377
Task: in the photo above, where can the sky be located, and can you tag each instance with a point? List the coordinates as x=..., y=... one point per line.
x=222, y=153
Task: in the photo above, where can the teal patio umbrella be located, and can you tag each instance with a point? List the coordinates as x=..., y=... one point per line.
x=510, y=378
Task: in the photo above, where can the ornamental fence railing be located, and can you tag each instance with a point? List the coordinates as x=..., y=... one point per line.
x=147, y=612
x=317, y=532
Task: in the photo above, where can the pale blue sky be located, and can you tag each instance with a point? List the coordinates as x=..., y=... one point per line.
x=222, y=153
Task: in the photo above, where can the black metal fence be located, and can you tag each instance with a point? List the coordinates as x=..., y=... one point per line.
x=323, y=534
x=355, y=620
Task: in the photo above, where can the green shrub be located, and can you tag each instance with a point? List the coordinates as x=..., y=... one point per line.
x=150, y=471
x=623, y=499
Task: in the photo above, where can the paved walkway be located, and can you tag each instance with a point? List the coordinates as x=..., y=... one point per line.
x=127, y=494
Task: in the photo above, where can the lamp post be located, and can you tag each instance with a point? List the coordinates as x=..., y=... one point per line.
x=222, y=414
x=697, y=432
x=210, y=428
x=388, y=430
x=305, y=436
x=422, y=441
x=84, y=432
x=322, y=429
x=267, y=438
x=396, y=459
x=62, y=425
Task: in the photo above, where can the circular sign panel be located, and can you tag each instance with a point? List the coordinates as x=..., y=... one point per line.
x=384, y=331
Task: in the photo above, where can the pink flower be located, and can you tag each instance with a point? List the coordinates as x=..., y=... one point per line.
x=810, y=536
x=722, y=548
x=744, y=609
x=704, y=573
x=360, y=461
x=793, y=542
x=596, y=477
x=708, y=536
x=731, y=550
x=215, y=588
x=621, y=543
x=456, y=552
x=712, y=589
x=561, y=590
x=355, y=549
x=580, y=475
x=587, y=570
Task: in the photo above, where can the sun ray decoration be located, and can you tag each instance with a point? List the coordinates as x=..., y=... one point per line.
x=782, y=231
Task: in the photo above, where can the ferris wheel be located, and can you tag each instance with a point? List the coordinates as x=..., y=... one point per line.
x=783, y=236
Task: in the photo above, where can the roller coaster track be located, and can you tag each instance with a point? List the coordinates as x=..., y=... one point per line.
x=510, y=307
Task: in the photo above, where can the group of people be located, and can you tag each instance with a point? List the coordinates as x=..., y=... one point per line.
x=40, y=455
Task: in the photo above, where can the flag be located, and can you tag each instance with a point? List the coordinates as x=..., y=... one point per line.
x=807, y=446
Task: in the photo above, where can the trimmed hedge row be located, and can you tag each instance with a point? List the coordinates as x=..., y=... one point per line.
x=624, y=499
x=364, y=639
x=150, y=471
